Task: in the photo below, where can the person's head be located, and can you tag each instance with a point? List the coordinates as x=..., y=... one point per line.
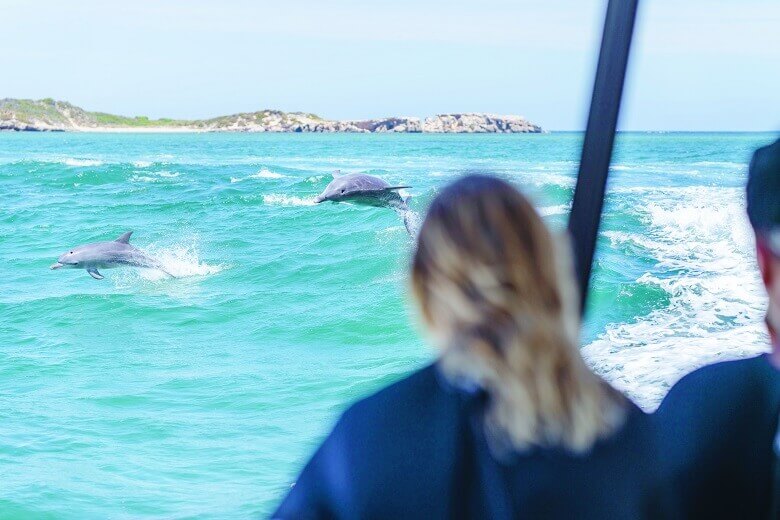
x=497, y=293
x=763, y=208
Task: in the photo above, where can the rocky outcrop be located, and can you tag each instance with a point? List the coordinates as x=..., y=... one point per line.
x=50, y=115
x=20, y=126
x=479, y=124
x=275, y=121
x=390, y=124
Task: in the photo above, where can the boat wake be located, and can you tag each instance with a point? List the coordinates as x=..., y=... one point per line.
x=701, y=244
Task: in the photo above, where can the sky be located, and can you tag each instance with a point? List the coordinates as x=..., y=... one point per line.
x=695, y=65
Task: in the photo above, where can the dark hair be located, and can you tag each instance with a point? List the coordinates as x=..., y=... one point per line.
x=763, y=188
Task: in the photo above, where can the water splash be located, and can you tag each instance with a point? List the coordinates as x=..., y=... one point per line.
x=412, y=220
x=180, y=260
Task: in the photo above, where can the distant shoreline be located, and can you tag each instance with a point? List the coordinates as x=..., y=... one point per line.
x=48, y=115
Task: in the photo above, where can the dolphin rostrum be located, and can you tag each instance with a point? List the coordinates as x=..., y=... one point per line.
x=361, y=188
x=107, y=255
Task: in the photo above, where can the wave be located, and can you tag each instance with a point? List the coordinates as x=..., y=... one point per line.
x=142, y=164
x=545, y=180
x=698, y=168
x=560, y=209
x=155, y=176
x=701, y=245
x=275, y=199
x=143, y=178
x=265, y=173
x=724, y=164
x=81, y=162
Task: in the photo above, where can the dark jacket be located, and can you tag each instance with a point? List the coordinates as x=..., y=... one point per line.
x=717, y=428
x=416, y=450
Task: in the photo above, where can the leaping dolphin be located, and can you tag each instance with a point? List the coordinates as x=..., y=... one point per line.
x=107, y=255
x=361, y=188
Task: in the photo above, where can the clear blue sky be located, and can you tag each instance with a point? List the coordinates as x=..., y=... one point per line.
x=697, y=64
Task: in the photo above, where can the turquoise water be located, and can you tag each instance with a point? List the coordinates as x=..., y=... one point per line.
x=201, y=396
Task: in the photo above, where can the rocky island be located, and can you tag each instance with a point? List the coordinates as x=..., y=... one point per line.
x=48, y=115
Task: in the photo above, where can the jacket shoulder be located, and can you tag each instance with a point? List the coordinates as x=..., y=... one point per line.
x=712, y=381
x=414, y=399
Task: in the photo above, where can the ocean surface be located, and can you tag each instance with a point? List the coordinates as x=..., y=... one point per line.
x=202, y=396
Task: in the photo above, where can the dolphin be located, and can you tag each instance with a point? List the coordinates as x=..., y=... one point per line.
x=107, y=255
x=367, y=190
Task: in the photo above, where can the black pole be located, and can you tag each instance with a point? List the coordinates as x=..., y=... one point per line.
x=599, y=137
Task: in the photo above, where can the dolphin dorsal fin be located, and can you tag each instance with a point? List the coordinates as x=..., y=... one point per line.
x=124, y=238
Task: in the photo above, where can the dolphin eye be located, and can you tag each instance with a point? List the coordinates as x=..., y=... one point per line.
x=71, y=252
x=342, y=191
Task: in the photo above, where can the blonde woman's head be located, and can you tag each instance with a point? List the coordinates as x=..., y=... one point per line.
x=496, y=292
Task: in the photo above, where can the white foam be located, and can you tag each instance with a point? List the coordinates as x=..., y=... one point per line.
x=154, y=176
x=276, y=199
x=544, y=180
x=262, y=174
x=663, y=168
x=702, y=245
x=142, y=164
x=560, y=209
x=724, y=164
x=82, y=162
x=267, y=174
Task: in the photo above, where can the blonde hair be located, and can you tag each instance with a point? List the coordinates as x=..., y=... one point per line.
x=499, y=297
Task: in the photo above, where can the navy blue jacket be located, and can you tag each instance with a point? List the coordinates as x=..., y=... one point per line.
x=416, y=450
x=717, y=429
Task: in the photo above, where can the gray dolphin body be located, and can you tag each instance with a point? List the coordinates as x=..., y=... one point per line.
x=367, y=190
x=107, y=255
